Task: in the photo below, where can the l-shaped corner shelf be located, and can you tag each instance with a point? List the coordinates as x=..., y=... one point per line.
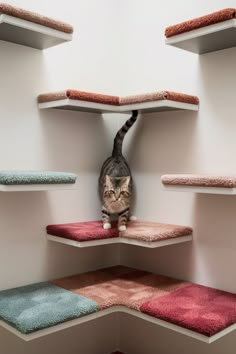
x=205, y=34
x=208, y=184
x=75, y=100
x=73, y=300
x=138, y=233
x=30, y=29
x=30, y=181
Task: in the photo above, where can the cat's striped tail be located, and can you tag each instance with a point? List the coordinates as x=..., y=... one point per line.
x=118, y=141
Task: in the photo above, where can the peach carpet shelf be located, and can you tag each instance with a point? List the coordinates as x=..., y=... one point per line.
x=144, y=234
x=31, y=29
x=70, y=301
x=205, y=34
x=210, y=184
x=75, y=100
x=27, y=181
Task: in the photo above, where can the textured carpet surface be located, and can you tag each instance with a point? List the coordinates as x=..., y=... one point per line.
x=200, y=180
x=198, y=308
x=82, y=231
x=119, y=286
x=137, y=230
x=153, y=231
x=36, y=177
x=210, y=19
x=35, y=17
x=34, y=307
x=116, y=100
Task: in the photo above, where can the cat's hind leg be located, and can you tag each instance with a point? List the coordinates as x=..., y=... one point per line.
x=106, y=219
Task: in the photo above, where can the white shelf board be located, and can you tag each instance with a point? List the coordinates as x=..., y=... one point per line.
x=117, y=309
x=36, y=187
x=30, y=34
x=146, y=107
x=207, y=39
x=195, y=189
x=120, y=240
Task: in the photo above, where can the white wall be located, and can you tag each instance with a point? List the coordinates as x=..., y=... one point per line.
x=118, y=48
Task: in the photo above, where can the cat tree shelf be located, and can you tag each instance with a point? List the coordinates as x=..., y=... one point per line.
x=205, y=34
x=27, y=181
x=75, y=100
x=210, y=184
x=70, y=301
x=31, y=29
x=144, y=234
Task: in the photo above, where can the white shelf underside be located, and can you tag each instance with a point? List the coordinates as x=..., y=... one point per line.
x=146, y=107
x=118, y=309
x=36, y=187
x=205, y=190
x=30, y=34
x=207, y=39
x=120, y=240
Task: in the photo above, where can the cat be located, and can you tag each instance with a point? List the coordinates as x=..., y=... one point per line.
x=115, y=181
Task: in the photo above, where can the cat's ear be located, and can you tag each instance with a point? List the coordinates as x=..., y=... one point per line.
x=108, y=181
x=124, y=181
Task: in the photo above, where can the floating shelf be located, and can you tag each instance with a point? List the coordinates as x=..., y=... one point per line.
x=30, y=29
x=205, y=34
x=26, y=181
x=80, y=298
x=75, y=100
x=144, y=234
x=209, y=184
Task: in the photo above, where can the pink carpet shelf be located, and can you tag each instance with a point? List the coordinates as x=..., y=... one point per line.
x=145, y=234
x=31, y=29
x=211, y=184
x=94, y=102
x=205, y=34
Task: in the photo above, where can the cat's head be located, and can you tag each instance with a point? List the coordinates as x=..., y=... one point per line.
x=117, y=192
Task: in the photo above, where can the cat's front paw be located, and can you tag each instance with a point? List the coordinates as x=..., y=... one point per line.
x=122, y=228
x=106, y=225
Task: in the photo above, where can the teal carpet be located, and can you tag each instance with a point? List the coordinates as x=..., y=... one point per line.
x=34, y=307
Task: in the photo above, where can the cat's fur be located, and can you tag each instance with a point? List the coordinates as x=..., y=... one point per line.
x=115, y=181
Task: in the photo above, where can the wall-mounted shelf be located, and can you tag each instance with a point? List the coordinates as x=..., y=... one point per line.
x=75, y=100
x=209, y=184
x=205, y=34
x=80, y=298
x=27, y=181
x=143, y=234
x=30, y=29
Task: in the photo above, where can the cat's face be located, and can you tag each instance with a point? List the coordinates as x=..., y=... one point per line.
x=116, y=194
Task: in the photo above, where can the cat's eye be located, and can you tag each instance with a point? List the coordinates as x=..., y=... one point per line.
x=124, y=194
x=109, y=194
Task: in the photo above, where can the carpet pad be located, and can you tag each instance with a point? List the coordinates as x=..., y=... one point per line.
x=35, y=18
x=199, y=22
x=198, y=308
x=36, y=177
x=34, y=307
x=200, y=180
x=119, y=286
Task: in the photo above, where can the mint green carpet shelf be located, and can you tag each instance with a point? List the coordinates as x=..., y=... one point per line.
x=16, y=181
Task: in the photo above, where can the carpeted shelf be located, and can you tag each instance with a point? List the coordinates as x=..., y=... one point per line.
x=198, y=311
x=212, y=184
x=140, y=233
x=31, y=29
x=204, y=34
x=94, y=102
x=35, y=180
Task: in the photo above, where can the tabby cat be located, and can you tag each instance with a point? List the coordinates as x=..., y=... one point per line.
x=115, y=181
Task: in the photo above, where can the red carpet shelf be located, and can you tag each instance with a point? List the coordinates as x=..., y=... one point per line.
x=210, y=184
x=197, y=311
x=75, y=100
x=27, y=181
x=31, y=29
x=144, y=234
x=205, y=34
